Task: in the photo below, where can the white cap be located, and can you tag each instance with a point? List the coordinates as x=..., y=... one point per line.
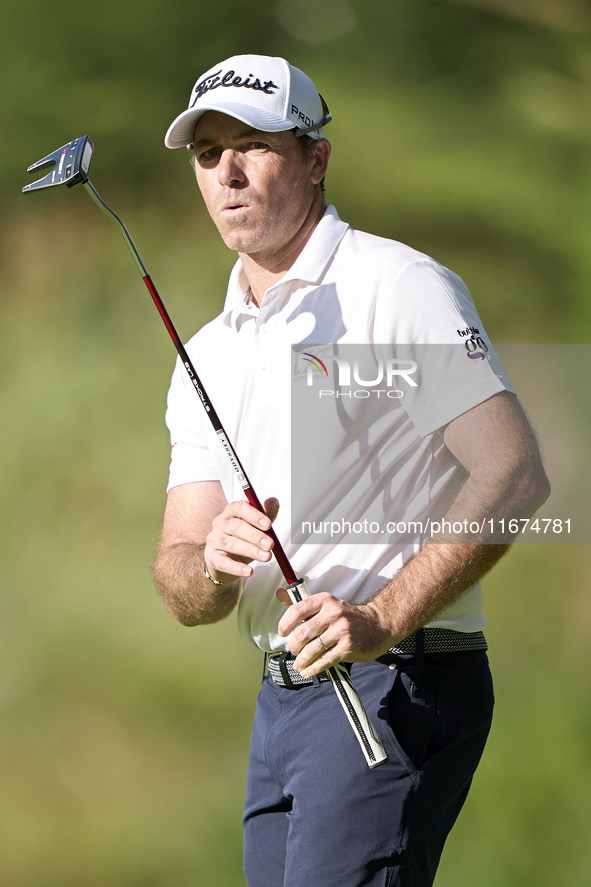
x=267, y=93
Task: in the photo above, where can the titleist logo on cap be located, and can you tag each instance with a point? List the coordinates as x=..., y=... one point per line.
x=230, y=78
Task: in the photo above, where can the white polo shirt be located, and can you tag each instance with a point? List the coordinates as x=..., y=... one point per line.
x=345, y=288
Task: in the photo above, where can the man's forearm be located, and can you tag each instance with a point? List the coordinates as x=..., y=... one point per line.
x=444, y=570
x=436, y=577
x=188, y=594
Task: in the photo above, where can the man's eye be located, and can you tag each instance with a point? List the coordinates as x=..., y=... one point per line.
x=258, y=146
x=210, y=154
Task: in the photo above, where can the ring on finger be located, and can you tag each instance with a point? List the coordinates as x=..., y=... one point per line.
x=322, y=642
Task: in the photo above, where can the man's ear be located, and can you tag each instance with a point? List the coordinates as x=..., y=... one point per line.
x=321, y=155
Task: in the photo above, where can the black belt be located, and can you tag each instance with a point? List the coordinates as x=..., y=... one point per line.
x=426, y=640
x=442, y=640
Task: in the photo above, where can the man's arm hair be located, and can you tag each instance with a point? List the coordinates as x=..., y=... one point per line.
x=178, y=572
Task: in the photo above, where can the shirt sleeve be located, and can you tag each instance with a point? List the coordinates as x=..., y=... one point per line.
x=191, y=459
x=440, y=336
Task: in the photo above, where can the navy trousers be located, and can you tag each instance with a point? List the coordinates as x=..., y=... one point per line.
x=317, y=816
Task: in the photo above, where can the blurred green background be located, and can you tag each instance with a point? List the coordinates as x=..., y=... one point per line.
x=460, y=126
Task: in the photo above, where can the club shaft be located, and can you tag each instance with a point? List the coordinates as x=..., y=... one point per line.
x=371, y=746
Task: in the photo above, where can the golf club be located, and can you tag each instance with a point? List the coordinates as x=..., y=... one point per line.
x=69, y=166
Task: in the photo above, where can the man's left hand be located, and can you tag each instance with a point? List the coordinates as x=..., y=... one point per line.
x=327, y=630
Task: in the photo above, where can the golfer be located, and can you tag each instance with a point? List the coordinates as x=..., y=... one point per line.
x=406, y=614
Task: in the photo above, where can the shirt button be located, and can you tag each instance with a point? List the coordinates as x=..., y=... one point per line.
x=263, y=328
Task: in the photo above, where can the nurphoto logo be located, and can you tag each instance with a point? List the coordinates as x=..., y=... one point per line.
x=387, y=373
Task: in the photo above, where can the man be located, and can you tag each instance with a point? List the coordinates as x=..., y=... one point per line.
x=407, y=614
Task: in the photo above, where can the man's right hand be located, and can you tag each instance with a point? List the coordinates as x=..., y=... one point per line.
x=200, y=526
x=238, y=537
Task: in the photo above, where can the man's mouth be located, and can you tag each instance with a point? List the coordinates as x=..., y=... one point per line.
x=230, y=207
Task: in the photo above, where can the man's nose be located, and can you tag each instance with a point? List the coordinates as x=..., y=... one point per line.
x=231, y=169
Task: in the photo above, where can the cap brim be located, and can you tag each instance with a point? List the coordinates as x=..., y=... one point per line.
x=180, y=132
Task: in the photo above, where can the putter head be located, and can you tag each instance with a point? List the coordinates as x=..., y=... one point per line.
x=70, y=165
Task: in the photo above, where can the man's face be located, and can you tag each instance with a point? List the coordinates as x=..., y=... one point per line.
x=258, y=186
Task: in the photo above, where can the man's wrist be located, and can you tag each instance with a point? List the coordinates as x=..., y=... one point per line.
x=227, y=584
x=385, y=626
x=207, y=576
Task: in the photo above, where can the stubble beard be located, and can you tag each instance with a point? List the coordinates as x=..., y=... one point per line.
x=236, y=233
x=264, y=236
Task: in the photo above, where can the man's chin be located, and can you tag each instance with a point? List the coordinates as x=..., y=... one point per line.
x=239, y=241
x=236, y=243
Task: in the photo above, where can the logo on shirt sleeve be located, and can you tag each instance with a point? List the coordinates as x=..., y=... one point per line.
x=475, y=346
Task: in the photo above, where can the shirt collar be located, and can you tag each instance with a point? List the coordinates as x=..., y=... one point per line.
x=308, y=267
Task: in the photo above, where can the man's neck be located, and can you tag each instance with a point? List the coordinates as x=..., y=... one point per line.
x=263, y=271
